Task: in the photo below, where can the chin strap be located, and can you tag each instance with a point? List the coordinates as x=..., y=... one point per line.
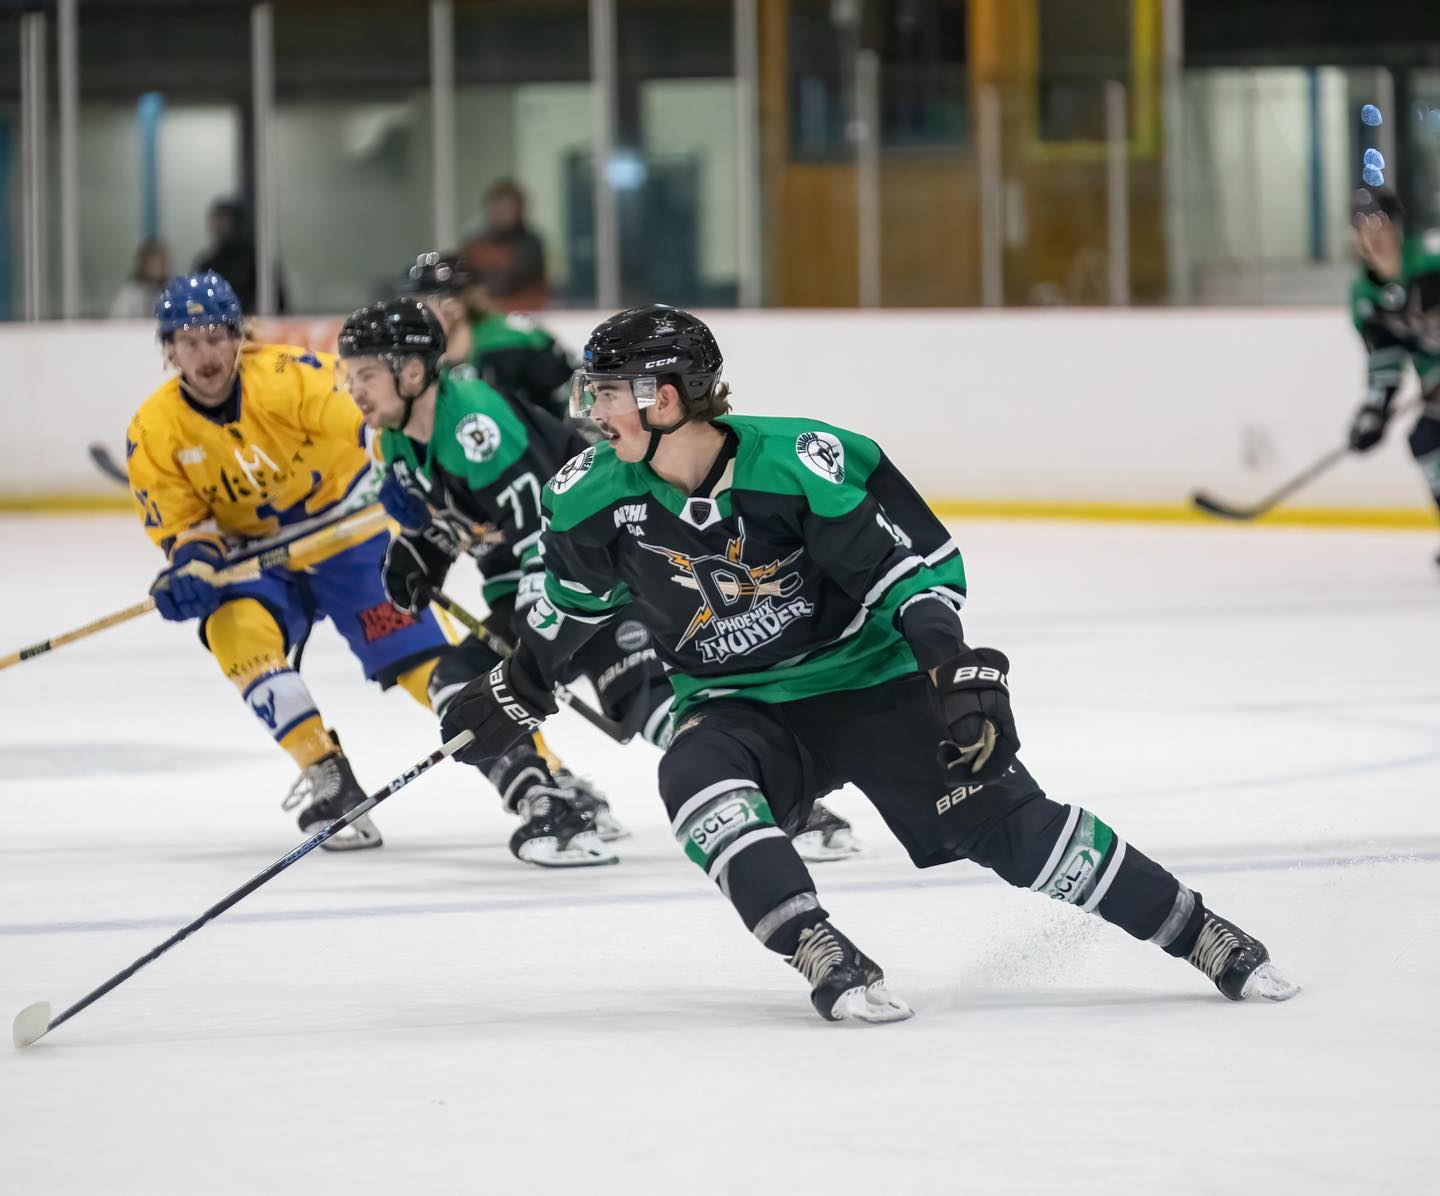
x=656, y=433
x=410, y=400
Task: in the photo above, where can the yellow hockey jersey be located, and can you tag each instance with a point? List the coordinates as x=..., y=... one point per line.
x=296, y=446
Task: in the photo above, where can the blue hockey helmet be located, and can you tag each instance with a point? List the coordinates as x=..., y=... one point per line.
x=197, y=301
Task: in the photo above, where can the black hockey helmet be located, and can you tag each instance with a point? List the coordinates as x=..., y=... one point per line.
x=436, y=273
x=396, y=330
x=1377, y=201
x=650, y=346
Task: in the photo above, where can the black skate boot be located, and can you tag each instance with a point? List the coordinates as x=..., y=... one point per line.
x=589, y=800
x=1238, y=964
x=326, y=791
x=845, y=985
x=826, y=836
x=555, y=833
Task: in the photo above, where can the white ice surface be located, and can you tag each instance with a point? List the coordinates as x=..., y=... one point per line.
x=1258, y=709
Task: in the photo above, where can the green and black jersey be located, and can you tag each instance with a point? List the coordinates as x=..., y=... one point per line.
x=1399, y=320
x=804, y=564
x=520, y=360
x=486, y=462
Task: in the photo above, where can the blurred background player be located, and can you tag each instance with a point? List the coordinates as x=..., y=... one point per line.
x=813, y=638
x=1395, y=303
x=510, y=352
x=242, y=441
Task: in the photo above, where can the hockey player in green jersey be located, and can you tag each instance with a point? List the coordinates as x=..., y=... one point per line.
x=510, y=352
x=807, y=603
x=1395, y=304
x=459, y=457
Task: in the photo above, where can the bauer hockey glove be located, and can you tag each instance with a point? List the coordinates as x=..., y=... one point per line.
x=499, y=708
x=973, y=694
x=413, y=568
x=1367, y=428
x=185, y=589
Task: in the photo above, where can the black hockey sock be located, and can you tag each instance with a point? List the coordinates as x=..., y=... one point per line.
x=1068, y=854
x=517, y=772
x=728, y=830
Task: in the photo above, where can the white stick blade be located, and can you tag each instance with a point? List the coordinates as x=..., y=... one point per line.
x=31, y=1023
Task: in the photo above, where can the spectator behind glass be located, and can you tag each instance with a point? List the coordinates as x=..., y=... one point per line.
x=231, y=254
x=136, y=297
x=505, y=254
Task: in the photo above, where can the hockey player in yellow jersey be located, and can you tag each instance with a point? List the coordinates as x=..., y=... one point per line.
x=245, y=440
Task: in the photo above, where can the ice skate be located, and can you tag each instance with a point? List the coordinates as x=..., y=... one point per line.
x=555, y=833
x=325, y=791
x=1239, y=965
x=826, y=836
x=589, y=800
x=845, y=985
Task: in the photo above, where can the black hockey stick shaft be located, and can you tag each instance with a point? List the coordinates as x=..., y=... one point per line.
x=107, y=464
x=259, y=879
x=1214, y=506
x=501, y=647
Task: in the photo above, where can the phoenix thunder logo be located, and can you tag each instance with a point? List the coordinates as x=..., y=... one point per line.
x=742, y=606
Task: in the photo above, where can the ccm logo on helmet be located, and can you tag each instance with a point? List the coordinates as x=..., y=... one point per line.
x=650, y=365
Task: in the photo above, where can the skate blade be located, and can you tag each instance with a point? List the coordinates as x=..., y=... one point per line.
x=819, y=847
x=358, y=836
x=872, y=1005
x=1267, y=983
x=585, y=850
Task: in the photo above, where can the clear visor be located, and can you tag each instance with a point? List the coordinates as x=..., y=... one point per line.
x=617, y=390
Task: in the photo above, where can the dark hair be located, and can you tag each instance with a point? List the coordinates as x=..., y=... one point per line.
x=715, y=402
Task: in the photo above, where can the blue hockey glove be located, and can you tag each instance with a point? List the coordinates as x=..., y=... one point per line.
x=185, y=589
x=404, y=503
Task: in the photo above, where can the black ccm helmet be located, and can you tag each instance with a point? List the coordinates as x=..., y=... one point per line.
x=395, y=330
x=650, y=346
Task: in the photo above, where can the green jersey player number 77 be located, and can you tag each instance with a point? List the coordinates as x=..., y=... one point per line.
x=807, y=605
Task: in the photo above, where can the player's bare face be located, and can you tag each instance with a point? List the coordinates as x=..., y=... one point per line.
x=372, y=386
x=1377, y=241
x=618, y=418
x=207, y=359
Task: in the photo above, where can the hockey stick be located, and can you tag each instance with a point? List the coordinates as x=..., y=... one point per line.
x=69, y=637
x=292, y=554
x=1223, y=510
x=34, y=1021
x=619, y=732
x=107, y=464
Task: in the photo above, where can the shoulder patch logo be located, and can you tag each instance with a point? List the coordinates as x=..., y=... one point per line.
x=479, y=437
x=572, y=471
x=822, y=454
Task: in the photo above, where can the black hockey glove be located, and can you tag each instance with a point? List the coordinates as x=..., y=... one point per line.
x=1367, y=428
x=973, y=694
x=499, y=708
x=413, y=567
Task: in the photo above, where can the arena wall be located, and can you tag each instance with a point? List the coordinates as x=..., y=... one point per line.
x=1013, y=412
